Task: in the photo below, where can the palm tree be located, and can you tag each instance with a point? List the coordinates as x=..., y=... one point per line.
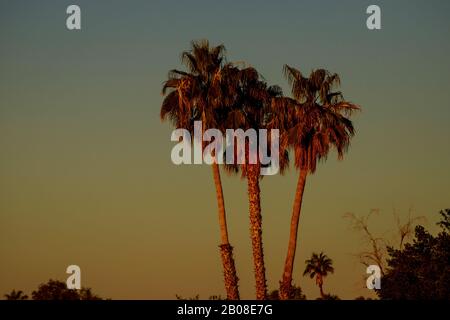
x=249, y=98
x=319, y=266
x=16, y=295
x=311, y=123
x=194, y=96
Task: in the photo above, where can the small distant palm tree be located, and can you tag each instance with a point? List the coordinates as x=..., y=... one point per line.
x=318, y=267
x=16, y=295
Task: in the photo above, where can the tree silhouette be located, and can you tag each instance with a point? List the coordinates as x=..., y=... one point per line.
x=57, y=290
x=318, y=267
x=296, y=294
x=420, y=270
x=329, y=296
x=16, y=295
x=444, y=223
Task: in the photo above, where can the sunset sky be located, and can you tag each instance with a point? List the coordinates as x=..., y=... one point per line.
x=85, y=171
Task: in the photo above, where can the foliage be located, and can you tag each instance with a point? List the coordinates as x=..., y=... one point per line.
x=363, y=298
x=421, y=270
x=57, y=290
x=318, y=267
x=54, y=290
x=196, y=297
x=296, y=294
x=16, y=295
x=445, y=222
x=329, y=296
x=316, y=119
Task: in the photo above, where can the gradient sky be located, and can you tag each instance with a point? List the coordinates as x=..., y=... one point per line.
x=85, y=170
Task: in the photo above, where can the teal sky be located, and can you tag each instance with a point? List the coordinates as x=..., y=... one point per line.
x=85, y=170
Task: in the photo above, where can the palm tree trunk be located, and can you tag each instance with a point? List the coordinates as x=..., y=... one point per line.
x=321, y=290
x=286, y=282
x=253, y=172
x=226, y=250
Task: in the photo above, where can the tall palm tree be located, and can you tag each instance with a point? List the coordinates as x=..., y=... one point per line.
x=249, y=98
x=194, y=96
x=319, y=266
x=312, y=122
x=16, y=295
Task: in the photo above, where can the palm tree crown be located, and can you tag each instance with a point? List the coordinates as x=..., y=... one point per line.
x=16, y=295
x=316, y=118
x=194, y=95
